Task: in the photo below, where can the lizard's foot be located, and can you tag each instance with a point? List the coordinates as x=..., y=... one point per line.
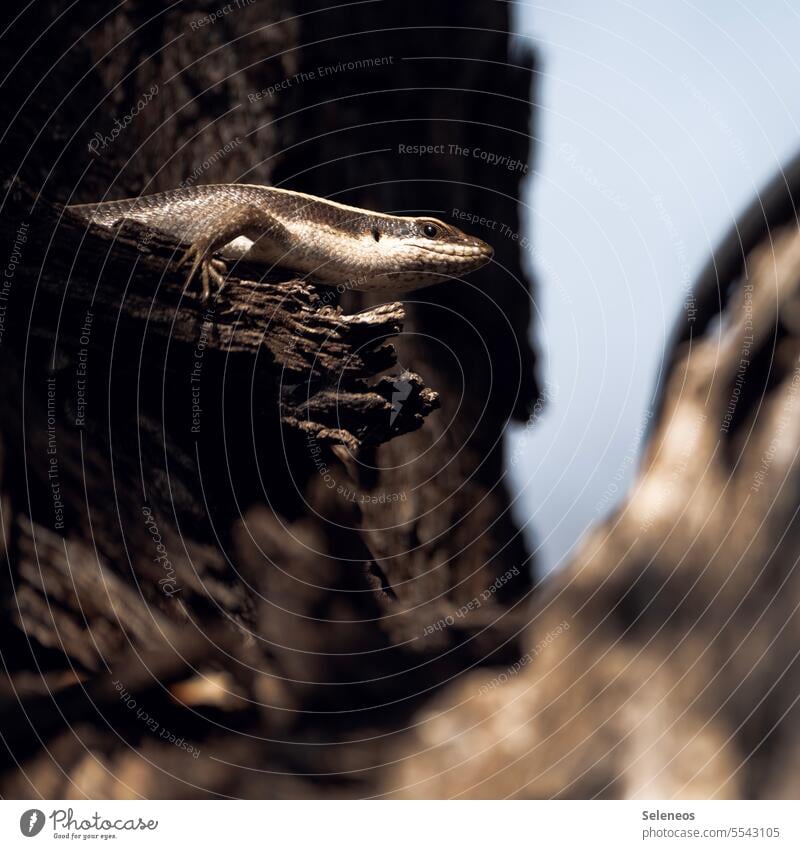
x=210, y=268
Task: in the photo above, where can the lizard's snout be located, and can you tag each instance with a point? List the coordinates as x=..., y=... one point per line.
x=480, y=251
x=485, y=249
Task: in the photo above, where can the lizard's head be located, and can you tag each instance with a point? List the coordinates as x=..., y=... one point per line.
x=415, y=252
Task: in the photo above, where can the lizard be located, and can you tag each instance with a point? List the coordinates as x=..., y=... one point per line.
x=329, y=242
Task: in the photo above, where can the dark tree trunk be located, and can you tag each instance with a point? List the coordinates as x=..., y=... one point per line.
x=251, y=518
x=265, y=550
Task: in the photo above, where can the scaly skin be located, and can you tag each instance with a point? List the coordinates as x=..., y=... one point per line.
x=327, y=241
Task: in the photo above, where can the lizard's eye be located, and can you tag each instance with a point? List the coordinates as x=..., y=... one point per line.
x=376, y=234
x=431, y=230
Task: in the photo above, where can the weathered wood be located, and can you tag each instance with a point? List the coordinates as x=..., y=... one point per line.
x=163, y=457
x=376, y=85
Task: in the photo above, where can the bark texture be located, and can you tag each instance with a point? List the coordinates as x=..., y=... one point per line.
x=212, y=555
x=263, y=548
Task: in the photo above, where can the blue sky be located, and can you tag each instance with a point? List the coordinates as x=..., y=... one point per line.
x=657, y=122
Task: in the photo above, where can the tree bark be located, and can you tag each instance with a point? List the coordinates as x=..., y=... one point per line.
x=199, y=550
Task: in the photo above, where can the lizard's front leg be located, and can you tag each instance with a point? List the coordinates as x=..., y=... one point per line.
x=243, y=220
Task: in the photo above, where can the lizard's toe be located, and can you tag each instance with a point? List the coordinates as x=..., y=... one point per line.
x=206, y=284
x=211, y=271
x=218, y=271
x=196, y=257
x=187, y=255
